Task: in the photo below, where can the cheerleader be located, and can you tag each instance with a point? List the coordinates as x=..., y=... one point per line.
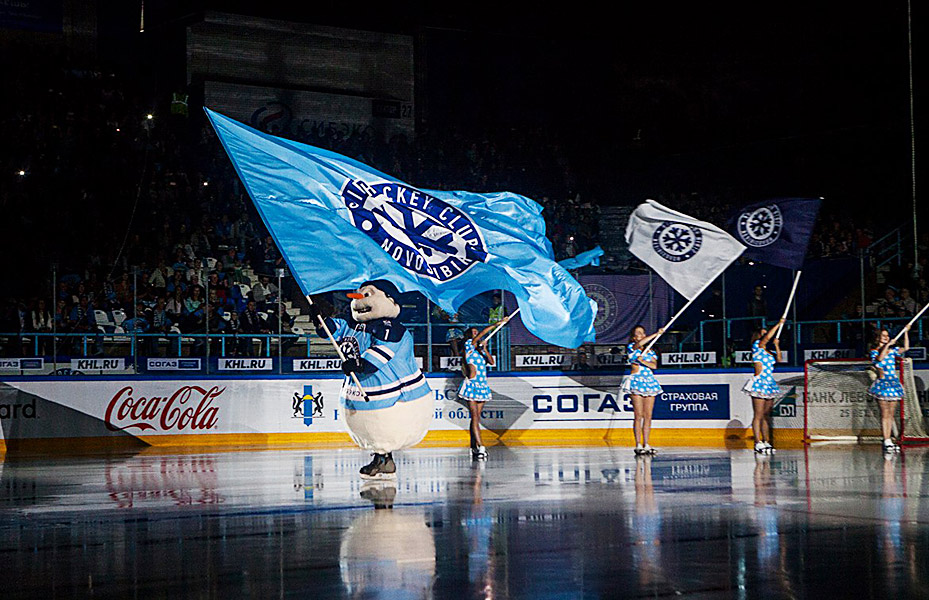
x=762, y=388
x=474, y=389
x=887, y=388
x=642, y=386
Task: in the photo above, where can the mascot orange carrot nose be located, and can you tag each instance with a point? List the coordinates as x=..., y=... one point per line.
x=394, y=407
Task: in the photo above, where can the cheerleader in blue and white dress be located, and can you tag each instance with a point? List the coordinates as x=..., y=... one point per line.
x=475, y=389
x=762, y=388
x=642, y=386
x=887, y=389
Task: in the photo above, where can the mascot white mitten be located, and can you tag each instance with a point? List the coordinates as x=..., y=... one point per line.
x=394, y=407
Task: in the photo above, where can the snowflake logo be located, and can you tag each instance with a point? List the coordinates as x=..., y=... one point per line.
x=761, y=227
x=677, y=239
x=676, y=242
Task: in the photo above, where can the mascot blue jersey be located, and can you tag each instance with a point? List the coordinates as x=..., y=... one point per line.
x=391, y=375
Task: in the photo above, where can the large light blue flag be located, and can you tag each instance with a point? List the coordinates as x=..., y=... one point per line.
x=340, y=223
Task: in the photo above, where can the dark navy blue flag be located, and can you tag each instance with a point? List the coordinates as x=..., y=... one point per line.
x=776, y=232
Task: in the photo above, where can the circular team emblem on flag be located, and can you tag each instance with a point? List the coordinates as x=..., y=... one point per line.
x=607, y=307
x=761, y=227
x=676, y=242
x=425, y=235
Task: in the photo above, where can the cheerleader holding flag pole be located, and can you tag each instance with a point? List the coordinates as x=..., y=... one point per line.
x=776, y=232
x=887, y=389
x=761, y=387
x=687, y=253
x=642, y=386
x=475, y=389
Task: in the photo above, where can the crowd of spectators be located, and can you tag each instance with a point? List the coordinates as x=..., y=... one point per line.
x=164, y=300
x=903, y=281
x=905, y=291
x=838, y=235
x=136, y=206
x=142, y=222
x=113, y=187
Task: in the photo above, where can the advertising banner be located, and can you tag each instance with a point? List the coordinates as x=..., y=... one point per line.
x=543, y=360
x=245, y=364
x=317, y=364
x=98, y=364
x=173, y=364
x=688, y=358
x=265, y=405
x=917, y=353
x=22, y=364
x=828, y=353
x=608, y=359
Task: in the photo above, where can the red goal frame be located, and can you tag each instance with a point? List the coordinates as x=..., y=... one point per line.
x=900, y=370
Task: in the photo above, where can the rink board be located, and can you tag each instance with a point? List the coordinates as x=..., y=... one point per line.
x=704, y=408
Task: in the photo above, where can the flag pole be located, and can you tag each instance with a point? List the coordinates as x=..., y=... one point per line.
x=678, y=313
x=500, y=325
x=913, y=320
x=338, y=350
x=790, y=299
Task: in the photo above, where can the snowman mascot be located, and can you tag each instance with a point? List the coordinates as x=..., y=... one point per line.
x=394, y=407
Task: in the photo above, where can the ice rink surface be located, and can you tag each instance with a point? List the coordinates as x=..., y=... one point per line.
x=531, y=522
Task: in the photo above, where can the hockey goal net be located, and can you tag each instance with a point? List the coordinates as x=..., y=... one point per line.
x=837, y=406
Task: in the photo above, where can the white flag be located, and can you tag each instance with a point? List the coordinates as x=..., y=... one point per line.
x=685, y=252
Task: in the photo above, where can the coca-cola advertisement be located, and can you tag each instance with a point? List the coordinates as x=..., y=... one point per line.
x=189, y=407
x=156, y=411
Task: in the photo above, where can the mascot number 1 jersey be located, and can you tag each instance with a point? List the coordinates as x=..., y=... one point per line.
x=388, y=346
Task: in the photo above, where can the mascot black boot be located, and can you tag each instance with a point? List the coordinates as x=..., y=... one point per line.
x=382, y=467
x=394, y=406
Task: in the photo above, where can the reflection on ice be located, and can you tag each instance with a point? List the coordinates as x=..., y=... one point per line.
x=529, y=522
x=388, y=553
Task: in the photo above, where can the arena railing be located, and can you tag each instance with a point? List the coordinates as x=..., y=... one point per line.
x=139, y=346
x=844, y=334
x=720, y=335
